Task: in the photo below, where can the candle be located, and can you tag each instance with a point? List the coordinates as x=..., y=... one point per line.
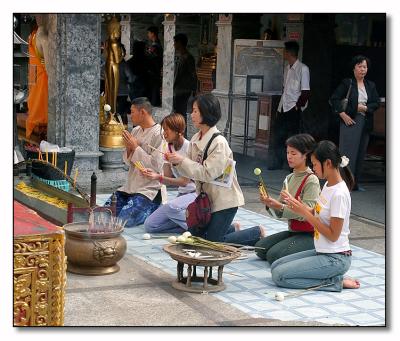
x=40, y=155
x=55, y=162
x=65, y=167
x=75, y=177
x=53, y=158
x=47, y=156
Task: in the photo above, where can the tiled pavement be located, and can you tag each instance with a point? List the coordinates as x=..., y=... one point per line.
x=249, y=286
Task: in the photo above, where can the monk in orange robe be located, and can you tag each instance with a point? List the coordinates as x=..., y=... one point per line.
x=38, y=84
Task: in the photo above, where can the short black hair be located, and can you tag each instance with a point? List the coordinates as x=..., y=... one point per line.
x=182, y=38
x=304, y=143
x=142, y=103
x=292, y=47
x=209, y=107
x=153, y=29
x=359, y=59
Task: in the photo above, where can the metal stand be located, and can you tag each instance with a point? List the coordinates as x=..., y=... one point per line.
x=250, y=96
x=206, y=283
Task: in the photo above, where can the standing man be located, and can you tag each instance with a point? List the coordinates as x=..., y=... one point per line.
x=296, y=92
x=140, y=196
x=185, y=78
x=154, y=54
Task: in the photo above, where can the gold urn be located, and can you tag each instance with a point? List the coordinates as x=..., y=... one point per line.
x=111, y=133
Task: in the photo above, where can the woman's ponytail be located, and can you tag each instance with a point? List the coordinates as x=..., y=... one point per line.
x=327, y=150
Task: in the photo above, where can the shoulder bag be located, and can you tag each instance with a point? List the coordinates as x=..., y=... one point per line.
x=198, y=213
x=344, y=102
x=298, y=225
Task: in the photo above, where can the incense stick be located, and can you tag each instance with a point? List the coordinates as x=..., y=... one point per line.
x=120, y=121
x=65, y=167
x=151, y=147
x=75, y=177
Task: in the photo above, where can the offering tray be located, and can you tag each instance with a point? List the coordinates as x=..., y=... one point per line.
x=192, y=256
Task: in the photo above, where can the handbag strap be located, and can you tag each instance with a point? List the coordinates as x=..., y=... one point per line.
x=205, y=153
x=301, y=186
x=208, y=146
x=348, y=91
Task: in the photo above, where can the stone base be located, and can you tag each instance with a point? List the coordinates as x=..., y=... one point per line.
x=111, y=158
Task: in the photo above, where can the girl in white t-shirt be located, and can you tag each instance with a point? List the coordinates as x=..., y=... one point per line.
x=324, y=267
x=171, y=217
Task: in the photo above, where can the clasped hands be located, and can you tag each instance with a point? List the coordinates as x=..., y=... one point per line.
x=130, y=141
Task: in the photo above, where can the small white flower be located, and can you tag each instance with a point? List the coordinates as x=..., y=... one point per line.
x=279, y=296
x=345, y=161
x=107, y=107
x=146, y=236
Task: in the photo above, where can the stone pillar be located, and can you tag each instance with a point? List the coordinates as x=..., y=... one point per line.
x=126, y=34
x=74, y=84
x=168, y=62
x=224, y=60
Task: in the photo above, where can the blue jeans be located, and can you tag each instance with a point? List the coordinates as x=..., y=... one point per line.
x=308, y=269
x=284, y=243
x=220, y=229
x=134, y=208
x=171, y=217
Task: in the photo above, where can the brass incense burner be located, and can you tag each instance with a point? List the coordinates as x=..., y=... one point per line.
x=111, y=133
x=95, y=247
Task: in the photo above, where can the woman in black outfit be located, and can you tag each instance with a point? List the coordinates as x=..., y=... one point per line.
x=356, y=121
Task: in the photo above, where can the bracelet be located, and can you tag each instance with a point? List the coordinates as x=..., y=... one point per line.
x=160, y=179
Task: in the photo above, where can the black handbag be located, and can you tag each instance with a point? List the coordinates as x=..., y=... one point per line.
x=343, y=103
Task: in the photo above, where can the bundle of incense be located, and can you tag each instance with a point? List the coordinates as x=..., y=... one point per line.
x=139, y=165
x=65, y=167
x=120, y=121
x=285, y=183
x=262, y=187
x=262, y=190
x=154, y=148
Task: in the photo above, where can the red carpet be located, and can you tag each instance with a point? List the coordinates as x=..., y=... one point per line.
x=28, y=222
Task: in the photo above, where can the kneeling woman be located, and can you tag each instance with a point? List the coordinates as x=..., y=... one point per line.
x=171, y=217
x=204, y=169
x=325, y=266
x=303, y=184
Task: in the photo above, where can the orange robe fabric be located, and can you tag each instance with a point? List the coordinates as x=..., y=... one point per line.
x=38, y=88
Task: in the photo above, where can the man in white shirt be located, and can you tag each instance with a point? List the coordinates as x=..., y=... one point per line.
x=140, y=196
x=296, y=91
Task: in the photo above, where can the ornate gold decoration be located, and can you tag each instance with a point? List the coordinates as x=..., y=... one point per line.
x=39, y=280
x=111, y=133
x=104, y=250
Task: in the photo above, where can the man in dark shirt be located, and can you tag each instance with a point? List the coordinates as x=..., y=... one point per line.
x=185, y=78
x=154, y=54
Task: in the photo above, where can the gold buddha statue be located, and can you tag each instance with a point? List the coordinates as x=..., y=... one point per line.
x=110, y=128
x=113, y=55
